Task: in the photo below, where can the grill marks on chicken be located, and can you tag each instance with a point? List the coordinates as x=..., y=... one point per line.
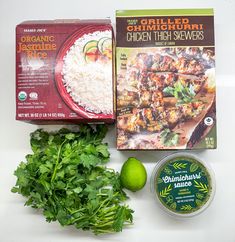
x=189, y=66
x=156, y=119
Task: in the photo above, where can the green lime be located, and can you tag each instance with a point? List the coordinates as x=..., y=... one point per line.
x=133, y=174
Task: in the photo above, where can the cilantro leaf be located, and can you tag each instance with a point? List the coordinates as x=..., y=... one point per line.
x=103, y=149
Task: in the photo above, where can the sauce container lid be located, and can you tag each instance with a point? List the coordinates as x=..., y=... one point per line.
x=183, y=184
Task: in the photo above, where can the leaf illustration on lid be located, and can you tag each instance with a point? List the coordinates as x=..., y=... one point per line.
x=166, y=191
x=186, y=207
x=173, y=205
x=159, y=180
x=198, y=202
x=201, y=187
x=178, y=166
x=193, y=167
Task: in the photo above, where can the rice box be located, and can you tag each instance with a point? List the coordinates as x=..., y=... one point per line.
x=165, y=79
x=64, y=71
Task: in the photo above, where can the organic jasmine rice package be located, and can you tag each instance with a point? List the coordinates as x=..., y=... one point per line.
x=64, y=71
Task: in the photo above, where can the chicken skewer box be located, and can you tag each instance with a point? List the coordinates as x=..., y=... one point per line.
x=165, y=79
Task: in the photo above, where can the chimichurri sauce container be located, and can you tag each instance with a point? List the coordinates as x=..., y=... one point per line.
x=184, y=185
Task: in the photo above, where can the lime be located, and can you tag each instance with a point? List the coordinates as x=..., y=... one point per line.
x=133, y=174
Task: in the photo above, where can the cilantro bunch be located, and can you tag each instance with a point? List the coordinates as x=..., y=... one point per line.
x=67, y=179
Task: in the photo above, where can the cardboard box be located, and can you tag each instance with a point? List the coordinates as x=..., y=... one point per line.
x=64, y=71
x=165, y=79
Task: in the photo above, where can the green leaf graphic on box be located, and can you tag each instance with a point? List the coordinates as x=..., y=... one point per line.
x=173, y=206
x=193, y=167
x=159, y=180
x=166, y=191
x=199, y=195
x=201, y=187
x=179, y=165
x=186, y=207
x=168, y=171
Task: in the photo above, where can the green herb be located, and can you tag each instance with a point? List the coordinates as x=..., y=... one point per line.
x=184, y=94
x=66, y=177
x=169, y=138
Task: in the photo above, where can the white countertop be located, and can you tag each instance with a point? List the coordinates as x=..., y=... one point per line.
x=23, y=224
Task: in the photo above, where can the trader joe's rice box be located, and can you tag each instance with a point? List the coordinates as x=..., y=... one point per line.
x=165, y=79
x=64, y=71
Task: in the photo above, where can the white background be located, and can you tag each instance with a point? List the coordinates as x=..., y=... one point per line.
x=23, y=224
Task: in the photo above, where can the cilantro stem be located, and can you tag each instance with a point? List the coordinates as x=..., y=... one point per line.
x=57, y=162
x=107, y=200
x=109, y=211
x=76, y=211
x=78, y=219
x=106, y=215
x=104, y=231
x=103, y=225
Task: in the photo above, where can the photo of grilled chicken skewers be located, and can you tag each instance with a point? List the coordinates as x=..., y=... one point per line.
x=162, y=90
x=150, y=90
x=180, y=60
x=156, y=119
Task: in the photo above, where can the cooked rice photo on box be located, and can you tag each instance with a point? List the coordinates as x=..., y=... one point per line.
x=87, y=72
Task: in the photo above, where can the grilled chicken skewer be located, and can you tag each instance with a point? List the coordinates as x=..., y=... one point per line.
x=190, y=60
x=149, y=92
x=156, y=119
